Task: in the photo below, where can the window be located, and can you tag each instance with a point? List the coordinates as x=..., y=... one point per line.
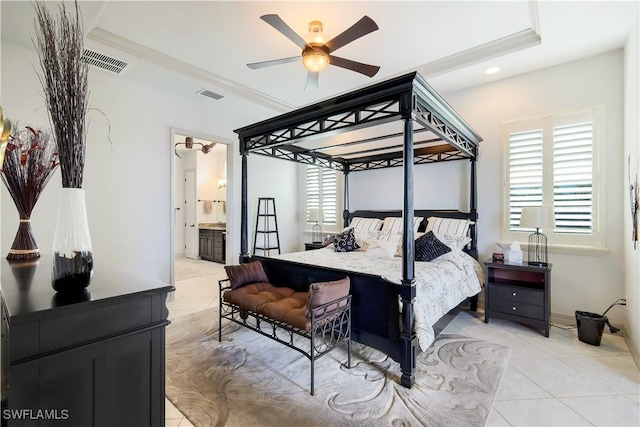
x=322, y=192
x=553, y=161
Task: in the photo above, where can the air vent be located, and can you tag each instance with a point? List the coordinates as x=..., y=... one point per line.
x=210, y=94
x=104, y=62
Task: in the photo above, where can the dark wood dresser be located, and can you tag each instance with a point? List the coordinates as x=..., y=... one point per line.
x=518, y=292
x=94, y=360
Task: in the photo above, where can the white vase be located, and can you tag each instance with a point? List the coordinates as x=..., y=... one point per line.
x=72, y=255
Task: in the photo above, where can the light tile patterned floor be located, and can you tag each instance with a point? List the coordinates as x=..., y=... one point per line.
x=555, y=381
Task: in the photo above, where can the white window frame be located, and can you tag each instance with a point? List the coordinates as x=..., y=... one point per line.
x=326, y=226
x=593, y=243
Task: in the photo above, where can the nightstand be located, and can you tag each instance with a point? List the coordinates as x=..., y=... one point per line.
x=518, y=292
x=311, y=246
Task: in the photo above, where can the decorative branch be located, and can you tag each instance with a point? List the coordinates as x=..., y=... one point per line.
x=29, y=163
x=60, y=48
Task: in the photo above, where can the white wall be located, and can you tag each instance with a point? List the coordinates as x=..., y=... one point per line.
x=127, y=182
x=587, y=283
x=632, y=148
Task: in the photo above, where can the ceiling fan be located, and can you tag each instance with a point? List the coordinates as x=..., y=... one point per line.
x=316, y=54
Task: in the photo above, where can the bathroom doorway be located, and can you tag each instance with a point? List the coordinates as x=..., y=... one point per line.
x=200, y=187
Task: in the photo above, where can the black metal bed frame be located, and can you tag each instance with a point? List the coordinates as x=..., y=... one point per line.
x=408, y=98
x=330, y=327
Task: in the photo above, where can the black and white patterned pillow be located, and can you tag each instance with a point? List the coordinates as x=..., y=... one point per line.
x=345, y=241
x=428, y=247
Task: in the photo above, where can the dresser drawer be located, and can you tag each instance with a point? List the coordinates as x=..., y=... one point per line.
x=516, y=294
x=518, y=308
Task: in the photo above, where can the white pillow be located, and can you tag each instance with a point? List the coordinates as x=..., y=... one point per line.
x=383, y=235
x=416, y=236
x=394, y=224
x=456, y=243
x=381, y=248
x=457, y=227
x=369, y=224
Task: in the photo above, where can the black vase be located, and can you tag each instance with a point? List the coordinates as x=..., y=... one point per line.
x=72, y=256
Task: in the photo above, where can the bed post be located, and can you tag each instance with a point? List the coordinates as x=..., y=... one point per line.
x=345, y=211
x=473, y=205
x=244, y=242
x=408, y=340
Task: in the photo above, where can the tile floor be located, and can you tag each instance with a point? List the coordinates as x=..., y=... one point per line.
x=555, y=381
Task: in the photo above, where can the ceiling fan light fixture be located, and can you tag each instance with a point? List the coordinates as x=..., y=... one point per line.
x=315, y=59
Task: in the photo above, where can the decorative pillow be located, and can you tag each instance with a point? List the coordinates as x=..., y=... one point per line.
x=456, y=227
x=345, y=241
x=381, y=248
x=456, y=243
x=383, y=235
x=428, y=247
x=321, y=293
x=244, y=274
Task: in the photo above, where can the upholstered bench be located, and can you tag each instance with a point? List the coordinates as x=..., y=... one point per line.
x=322, y=315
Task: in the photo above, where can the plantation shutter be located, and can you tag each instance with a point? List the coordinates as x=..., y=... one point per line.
x=553, y=161
x=525, y=172
x=573, y=178
x=322, y=192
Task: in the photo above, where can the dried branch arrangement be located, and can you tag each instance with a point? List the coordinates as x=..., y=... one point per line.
x=30, y=160
x=60, y=47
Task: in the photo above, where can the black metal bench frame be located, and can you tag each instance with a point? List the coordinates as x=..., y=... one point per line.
x=330, y=327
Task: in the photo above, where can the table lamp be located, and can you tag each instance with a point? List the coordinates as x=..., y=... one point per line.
x=537, y=217
x=315, y=215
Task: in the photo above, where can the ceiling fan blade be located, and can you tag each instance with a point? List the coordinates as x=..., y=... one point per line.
x=276, y=22
x=361, y=28
x=358, y=67
x=263, y=64
x=312, y=80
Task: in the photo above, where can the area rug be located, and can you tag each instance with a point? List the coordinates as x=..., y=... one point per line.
x=249, y=380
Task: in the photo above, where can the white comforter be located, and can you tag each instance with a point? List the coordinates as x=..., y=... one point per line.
x=441, y=284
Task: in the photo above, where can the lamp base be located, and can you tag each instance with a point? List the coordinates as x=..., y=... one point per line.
x=537, y=249
x=316, y=233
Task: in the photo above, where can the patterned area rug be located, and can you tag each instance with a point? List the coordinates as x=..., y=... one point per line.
x=249, y=380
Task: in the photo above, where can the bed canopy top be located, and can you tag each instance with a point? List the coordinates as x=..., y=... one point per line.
x=359, y=130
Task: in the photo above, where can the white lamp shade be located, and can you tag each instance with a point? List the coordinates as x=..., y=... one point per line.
x=315, y=215
x=537, y=217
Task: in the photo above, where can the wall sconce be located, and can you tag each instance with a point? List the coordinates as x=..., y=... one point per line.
x=537, y=217
x=222, y=182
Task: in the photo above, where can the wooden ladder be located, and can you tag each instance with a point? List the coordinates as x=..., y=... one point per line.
x=266, y=227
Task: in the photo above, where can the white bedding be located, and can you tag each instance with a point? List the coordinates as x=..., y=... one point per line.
x=441, y=284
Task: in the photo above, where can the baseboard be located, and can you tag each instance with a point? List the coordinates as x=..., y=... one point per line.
x=562, y=320
x=633, y=348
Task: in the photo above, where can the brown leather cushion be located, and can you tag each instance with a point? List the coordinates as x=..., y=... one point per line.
x=321, y=293
x=252, y=297
x=289, y=310
x=243, y=274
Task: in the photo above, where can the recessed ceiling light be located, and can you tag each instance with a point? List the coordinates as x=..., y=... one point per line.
x=492, y=70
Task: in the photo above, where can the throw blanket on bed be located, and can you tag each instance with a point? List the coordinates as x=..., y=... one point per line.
x=441, y=284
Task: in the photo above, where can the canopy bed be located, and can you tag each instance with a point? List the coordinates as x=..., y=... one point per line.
x=355, y=132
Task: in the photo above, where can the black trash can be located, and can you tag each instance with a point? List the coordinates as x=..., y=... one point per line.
x=590, y=327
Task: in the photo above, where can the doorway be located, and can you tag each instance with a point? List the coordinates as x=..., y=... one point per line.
x=200, y=189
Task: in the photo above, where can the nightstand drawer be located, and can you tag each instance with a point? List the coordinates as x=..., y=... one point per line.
x=518, y=308
x=516, y=294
